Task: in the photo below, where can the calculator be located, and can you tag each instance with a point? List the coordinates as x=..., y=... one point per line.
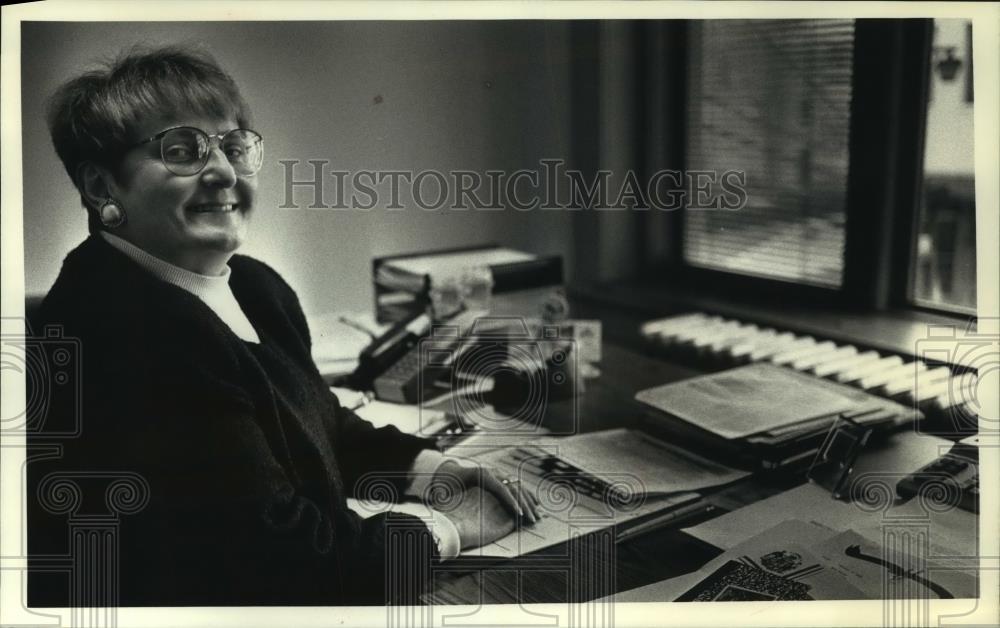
x=960, y=465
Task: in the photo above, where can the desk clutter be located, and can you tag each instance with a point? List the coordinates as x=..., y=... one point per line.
x=956, y=470
x=763, y=415
x=461, y=340
x=805, y=560
x=713, y=342
x=620, y=482
x=502, y=280
x=621, y=465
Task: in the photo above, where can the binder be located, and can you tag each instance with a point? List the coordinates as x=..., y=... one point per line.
x=523, y=284
x=762, y=443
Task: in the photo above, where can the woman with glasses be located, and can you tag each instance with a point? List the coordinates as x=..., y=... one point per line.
x=196, y=380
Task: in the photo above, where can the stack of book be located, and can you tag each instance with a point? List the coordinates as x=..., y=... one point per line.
x=763, y=416
x=518, y=283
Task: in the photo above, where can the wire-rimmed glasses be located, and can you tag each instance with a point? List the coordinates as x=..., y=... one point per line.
x=185, y=150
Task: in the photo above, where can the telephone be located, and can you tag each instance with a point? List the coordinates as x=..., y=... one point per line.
x=417, y=358
x=395, y=368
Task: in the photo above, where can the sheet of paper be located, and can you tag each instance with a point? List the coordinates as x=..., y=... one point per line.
x=914, y=568
x=336, y=344
x=748, y=400
x=366, y=508
x=408, y=419
x=563, y=519
x=787, y=550
x=566, y=513
x=660, y=467
x=560, y=524
x=902, y=454
x=736, y=581
x=777, y=564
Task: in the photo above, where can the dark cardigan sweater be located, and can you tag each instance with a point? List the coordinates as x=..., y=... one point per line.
x=247, y=456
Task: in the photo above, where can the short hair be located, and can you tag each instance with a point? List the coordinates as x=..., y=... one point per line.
x=95, y=116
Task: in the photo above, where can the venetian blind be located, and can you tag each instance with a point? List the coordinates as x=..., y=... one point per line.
x=772, y=98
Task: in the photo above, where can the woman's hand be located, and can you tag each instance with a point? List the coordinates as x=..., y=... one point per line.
x=517, y=502
x=480, y=518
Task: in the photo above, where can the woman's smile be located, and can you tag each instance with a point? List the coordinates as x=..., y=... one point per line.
x=194, y=221
x=203, y=208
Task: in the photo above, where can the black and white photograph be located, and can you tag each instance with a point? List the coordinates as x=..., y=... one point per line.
x=425, y=314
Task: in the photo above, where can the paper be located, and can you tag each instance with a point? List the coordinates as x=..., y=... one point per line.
x=558, y=524
x=338, y=338
x=587, y=335
x=448, y=262
x=903, y=453
x=905, y=569
x=748, y=400
x=408, y=419
x=567, y=512
x=778, y=564
x=739, y=582
x=659, y=467
x=369, y=508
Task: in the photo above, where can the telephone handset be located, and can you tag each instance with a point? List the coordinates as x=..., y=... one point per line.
x=394, y=367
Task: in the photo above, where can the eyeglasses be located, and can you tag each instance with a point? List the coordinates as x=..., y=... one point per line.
x=185, y=150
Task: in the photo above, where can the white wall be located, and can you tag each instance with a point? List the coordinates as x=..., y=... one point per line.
x=454, y=95
x=950, y=132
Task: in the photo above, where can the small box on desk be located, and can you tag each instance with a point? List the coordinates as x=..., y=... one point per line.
x=507, y=281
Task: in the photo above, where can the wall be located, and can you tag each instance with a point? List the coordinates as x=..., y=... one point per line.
x=363, y=95
x=949, y=141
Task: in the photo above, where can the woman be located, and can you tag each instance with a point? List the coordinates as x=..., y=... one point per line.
x=197, y=375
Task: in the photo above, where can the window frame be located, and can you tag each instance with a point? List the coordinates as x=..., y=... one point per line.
x=891, y=70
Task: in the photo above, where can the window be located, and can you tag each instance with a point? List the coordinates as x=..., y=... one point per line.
x=772, y=98
x=856, y=137
x=944, y=264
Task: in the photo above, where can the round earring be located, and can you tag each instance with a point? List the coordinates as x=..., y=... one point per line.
x=112, y=214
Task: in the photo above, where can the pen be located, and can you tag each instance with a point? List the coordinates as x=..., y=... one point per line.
x=355, y=325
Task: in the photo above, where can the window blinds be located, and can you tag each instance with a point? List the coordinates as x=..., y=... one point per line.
x=772, y=98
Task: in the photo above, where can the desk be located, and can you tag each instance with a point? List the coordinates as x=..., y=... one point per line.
x=956, y=530
x=638, y=562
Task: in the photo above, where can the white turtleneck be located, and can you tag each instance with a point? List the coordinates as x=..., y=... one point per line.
x=214, y=291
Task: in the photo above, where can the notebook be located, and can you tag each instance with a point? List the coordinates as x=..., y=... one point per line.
x=763, y=414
